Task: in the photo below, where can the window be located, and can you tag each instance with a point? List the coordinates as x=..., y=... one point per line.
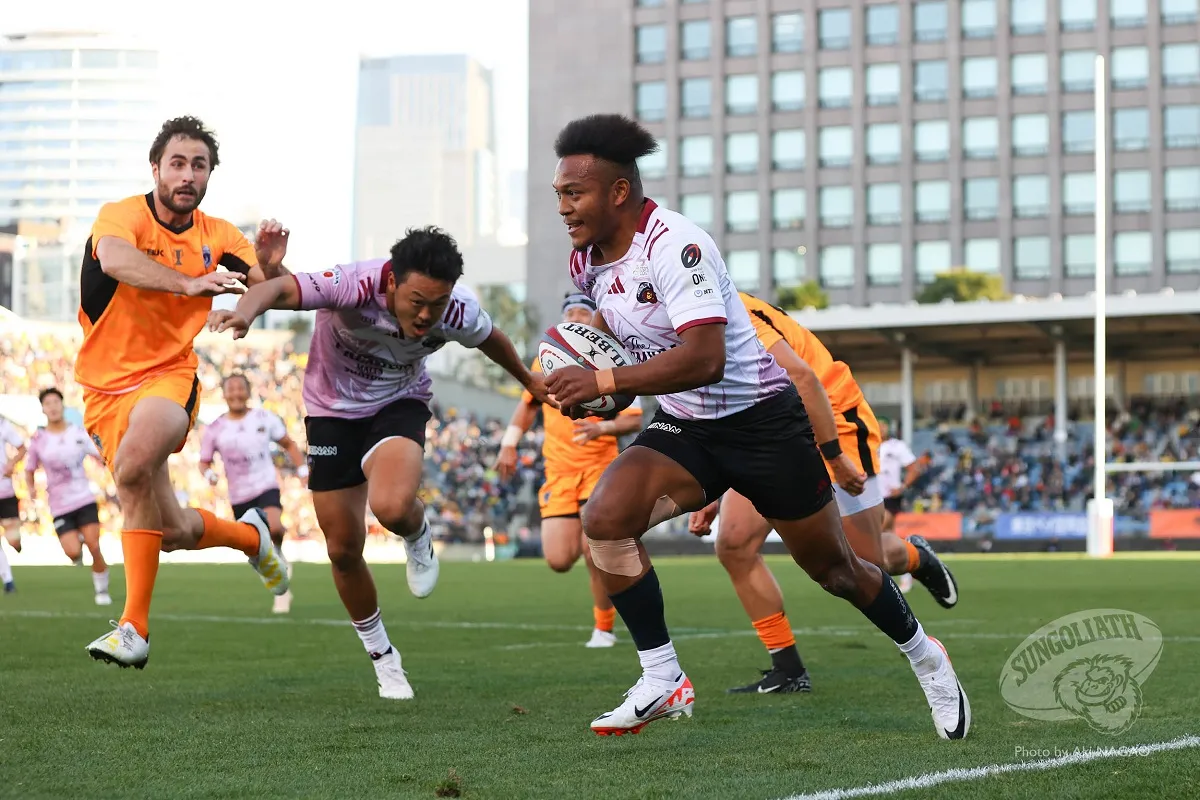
x=981, y=198
x=837, y=206
x=654, y=166
x=29, y=60
x=981, y=137
x=788, y=149
x=979, y=77
x=1077, y=15
x=1031, y=257
x=741, y=37
x=741, y=94
x=931, y=140
x=787, y=33
x=1181, y=126
x=1079, y=255
x=837, y=266
x=1027, y=17
x=883, y=84
x=883, y=24
x=788, y=207
x=1182, y=188
x=835, y=146
x=1132, y=252
x=1128, y=13
x=741, y=211
x=1131, y=191
x=1078, y=132
x=883, y=143
x=1078, y=70
x=695, y=39
x=743, y=269
x=930, y=81
x=1180, y=64
x=931, y=259
x=649, y=3
x=696, y=156
x=787, y=267
x=787, y=90
x=651, y=44
x=1029, y=73
x=883, y=204
x=1079, y=193
x=1131, y=129
x=695, y=97
x=1183, y=251
x=97, y=59
x=651, y=101
x=836, y=87
x=698, y=208
x=1030, y=134
x=741, y=152
x=1031, y=196
x=933, y=201
x=1179, y=12
x=929, y=21
x=978, y=19
x=982, y=255
x=834, y=28
x=884, y=264
x=1130, y=67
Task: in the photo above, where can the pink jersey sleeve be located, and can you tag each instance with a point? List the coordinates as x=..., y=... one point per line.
x=276, y=430
x=342, y=286
x=208, y=441
x=688, y=276
x=464, y=320
x=33, y=458
x=10, y=435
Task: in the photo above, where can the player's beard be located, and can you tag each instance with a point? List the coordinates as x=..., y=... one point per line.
x=184, y=204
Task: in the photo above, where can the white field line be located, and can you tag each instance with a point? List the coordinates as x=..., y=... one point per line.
x=930, y=779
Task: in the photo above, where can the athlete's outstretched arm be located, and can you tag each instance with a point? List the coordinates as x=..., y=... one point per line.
x=281, y=293
x=123, y=262
x=499, y=349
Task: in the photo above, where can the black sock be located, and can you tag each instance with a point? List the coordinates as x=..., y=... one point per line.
x=641, y=609
x=890, y=613
x=788, y=661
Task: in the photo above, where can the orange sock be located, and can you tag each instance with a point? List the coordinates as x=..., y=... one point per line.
x=227, y=533
x=141, y=568
x=914, y=556
x=775, y=632
x=604, y=618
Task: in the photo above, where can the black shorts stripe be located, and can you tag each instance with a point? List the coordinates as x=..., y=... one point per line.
x=863, y=434
x=193, y=397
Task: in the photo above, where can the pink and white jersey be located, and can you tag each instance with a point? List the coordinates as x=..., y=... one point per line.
x=9, y=437
x=673, y=278
x=359, y=360
x=61, y=456
x=245, y=448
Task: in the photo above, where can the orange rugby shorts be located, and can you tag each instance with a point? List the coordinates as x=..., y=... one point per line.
x=106, y=416
x=563, y=493
x=858, y=432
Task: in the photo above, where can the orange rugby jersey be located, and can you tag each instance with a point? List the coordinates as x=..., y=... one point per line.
x=130, y=334
x=559, y=450
x=772, y=325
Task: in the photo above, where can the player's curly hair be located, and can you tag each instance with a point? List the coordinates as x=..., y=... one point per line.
x=430, y=251
x=44, y=393
x=615, y=138
x=188, y=128
x=236, y=376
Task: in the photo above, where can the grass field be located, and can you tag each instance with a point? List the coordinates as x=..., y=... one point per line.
x=237, y=703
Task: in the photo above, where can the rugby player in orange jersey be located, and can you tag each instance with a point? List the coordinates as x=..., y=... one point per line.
x=150, y=271
x=849, y=435
x=576, y=454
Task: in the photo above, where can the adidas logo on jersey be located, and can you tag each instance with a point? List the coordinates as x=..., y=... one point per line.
x=617, y=287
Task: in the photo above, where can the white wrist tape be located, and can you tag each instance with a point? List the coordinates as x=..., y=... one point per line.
x=302, y=470
x=512, y=436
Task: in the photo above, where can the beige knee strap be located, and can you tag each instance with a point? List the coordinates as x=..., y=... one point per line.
x=618, y=557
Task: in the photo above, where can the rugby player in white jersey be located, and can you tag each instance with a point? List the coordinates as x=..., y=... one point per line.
x=12, y=450
x=367, y=395
x=729, y=418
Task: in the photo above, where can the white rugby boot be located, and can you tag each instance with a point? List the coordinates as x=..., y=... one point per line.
x=122, y=646
x=270, y=564
x=422, y=568
x=393, y=682
x=646, y=701
x=948, y=702
x=601, y=639
x=103, y=599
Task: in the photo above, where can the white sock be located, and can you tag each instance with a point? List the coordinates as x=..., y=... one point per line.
x=373, y=635
x=921, y=652
x=660, y=663
x=5, y=568
x=100, y=582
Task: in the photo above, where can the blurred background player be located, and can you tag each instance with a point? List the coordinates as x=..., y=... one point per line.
x=243, y=436
x=576, y=454
x=149, y=273
x=899, y=468
x=60, y=449
x=848, y=433
x=12, y=450
x=367, y=394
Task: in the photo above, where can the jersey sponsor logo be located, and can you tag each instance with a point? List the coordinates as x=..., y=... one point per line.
x=334, y=275
x=322, y=450
x=206, y=253
x=154, y=252
x=691, y=256
x=641, y=269
x=617, y=287
x=179, y=258
x=703, y=292
x=646, y=293
x=698, y=278
x=665, y=427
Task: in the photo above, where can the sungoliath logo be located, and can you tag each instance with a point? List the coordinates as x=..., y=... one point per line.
x=1089, y=665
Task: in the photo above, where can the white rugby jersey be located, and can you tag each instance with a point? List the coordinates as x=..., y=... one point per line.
x=674, y=278
x=894, y=457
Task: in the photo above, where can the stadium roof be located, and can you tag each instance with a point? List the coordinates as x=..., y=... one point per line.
x=1018, y=332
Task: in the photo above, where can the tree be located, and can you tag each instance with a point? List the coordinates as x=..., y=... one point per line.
x=807, y=295
x=963, y=286
x=512, y=316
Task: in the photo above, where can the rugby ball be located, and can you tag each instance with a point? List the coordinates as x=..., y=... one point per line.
x=573, y=344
